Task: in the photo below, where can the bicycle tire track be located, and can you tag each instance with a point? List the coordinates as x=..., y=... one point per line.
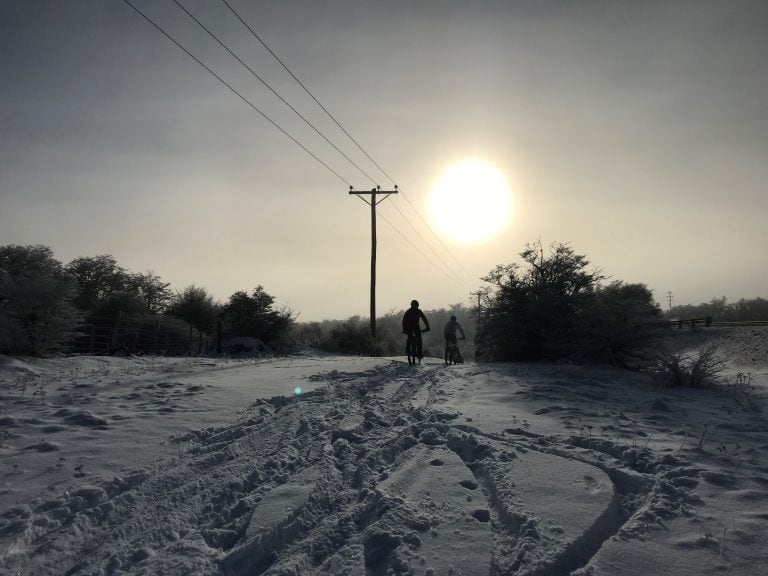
x=363, y=476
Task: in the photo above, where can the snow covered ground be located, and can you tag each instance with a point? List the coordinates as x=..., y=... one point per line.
x=212, y=466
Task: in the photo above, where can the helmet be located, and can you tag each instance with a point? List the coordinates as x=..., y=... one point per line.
x=453, y=318
x=415, y=303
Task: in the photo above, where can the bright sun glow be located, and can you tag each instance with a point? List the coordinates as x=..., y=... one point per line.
x=470, y=202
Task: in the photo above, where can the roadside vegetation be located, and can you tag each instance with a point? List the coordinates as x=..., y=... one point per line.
x=554, y=307
x=550, y=306
x=720, y=310
x=46, y=306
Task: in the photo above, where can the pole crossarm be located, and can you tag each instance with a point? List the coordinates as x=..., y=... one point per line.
x=373, y=192
x=373, y=202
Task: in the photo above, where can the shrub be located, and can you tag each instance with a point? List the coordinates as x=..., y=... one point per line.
x=349, y=338
x=551, y=308
x=693, y=369
x=619, y=324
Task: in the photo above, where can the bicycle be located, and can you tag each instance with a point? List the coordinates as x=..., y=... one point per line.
x=412, y=349
x=452, y=352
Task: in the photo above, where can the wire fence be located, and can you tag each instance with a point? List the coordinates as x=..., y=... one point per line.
x=708, y=321
x=145, y=335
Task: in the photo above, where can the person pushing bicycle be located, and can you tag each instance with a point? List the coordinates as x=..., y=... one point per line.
x=449, y=332
x=412, y=329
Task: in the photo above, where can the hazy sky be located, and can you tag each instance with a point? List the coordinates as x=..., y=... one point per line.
x=635, y=130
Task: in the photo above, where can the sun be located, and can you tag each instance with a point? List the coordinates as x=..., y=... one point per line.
x=470, y=202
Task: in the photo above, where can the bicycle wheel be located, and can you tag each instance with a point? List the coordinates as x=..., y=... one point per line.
x=410, y=350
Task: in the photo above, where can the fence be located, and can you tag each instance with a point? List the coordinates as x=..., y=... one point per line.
x=707, y=321
x=692, y=322
x=144, y=335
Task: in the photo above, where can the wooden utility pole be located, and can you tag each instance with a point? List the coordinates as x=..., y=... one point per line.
x=375, y=192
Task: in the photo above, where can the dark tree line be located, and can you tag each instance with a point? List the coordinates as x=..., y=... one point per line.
x=43, y=302
x=720, y=310
x=550, y=307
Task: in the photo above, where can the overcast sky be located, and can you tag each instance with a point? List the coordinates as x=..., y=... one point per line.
x=635, y=131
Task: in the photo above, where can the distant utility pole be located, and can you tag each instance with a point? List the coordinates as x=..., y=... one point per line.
x=669, y=299
x=372, y=202
x=479, y=295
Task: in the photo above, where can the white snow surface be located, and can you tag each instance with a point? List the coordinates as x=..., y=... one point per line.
x=214, y=466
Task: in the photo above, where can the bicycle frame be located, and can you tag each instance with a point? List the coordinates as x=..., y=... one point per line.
x=452, y=354
x=411, y=349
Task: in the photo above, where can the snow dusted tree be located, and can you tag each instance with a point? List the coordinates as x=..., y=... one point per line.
x=37, y=315
x=195, y=306
x=155, y=294
x=105, y=288
x=253, y=315
x=553, y=308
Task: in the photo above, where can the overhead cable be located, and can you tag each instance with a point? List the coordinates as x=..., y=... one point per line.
x=427, y=243
x=405, y=238
x=238, y=94
x=436, y=236
x=333, y=118
x=300, y=83
x=266, y=85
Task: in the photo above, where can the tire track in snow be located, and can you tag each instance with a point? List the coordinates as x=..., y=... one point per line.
x=362, y=476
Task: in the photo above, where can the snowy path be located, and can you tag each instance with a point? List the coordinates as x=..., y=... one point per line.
x=379, y=469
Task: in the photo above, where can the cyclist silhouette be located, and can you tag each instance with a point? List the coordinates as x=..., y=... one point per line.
x=412, y=329
x=450, y=330
x=452, y=353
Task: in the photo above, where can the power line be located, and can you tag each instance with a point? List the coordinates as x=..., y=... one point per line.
x=294, y=110
x=300, y=83
x=442, y=260
x=437, y=237
x=293, y=139
x=405, y=238
x=266, y=84
x=333, y=118
x=233, y=90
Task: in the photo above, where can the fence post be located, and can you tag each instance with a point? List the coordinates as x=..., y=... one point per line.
x=199, y=343
x=93, y=339
x=218, y=337
x=116, y=329
x=154, y=336
x=190, y=339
